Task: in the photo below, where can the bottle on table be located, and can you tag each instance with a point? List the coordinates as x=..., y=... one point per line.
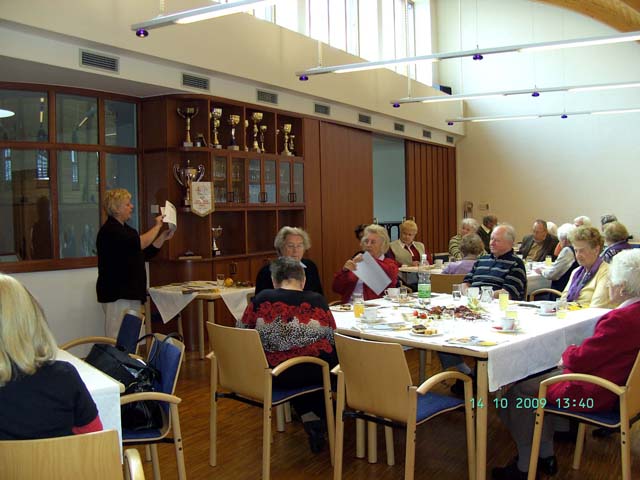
x=424, y=281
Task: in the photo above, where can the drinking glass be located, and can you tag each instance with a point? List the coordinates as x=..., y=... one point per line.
x=220, y=280
x=487, y=294
x=548, y=261
x=358, y=305
x=404, y=293
x=561, y=308
x=503, y=298
x=456, y=293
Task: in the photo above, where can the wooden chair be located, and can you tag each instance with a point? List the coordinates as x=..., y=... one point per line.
x=626, y=411
x=168, y=361
x=374, y=384
x=239, y=366
x=441, y=283
x=532, y=296
x=91, y=455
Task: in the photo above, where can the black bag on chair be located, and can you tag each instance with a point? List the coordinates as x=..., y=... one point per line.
x=116, y=363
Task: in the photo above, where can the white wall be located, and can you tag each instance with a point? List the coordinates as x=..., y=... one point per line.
x=550, y=168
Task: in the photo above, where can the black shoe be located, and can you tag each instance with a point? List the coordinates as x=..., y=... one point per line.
x=315, y=430
x=458, y=388
x=603, y=432
x=548, y=465
x=510, y=472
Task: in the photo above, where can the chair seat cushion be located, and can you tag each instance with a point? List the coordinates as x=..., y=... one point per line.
x=609, y=419
x=280, y=395
x=136, y=435
x=432, y=404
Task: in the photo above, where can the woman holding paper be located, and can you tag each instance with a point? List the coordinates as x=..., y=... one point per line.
x=375, y=243
x=122, y=278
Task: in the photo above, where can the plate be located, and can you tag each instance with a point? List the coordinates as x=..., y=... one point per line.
x=371, y=322
x=543, y=314
x=347, y=307
x=413, y=334
x=502, y=330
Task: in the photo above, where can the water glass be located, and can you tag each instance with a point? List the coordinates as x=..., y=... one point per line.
x=456, y=293
x=358, y=305
x=503, y=298
x=561, y=308
x=487, y=294
x=404, y=293
x=220, y=280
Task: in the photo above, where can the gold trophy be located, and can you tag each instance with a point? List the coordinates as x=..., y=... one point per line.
x=292, y=149
x=263, y=130
x=217, y=233
x=246, y=125
x=188, y=113
x=256, y=117
x=286, y=128
x=234, y=120
x=216, y=114
x=185, y=175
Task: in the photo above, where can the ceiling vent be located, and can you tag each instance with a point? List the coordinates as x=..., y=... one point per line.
x=362, y=118
x=267, y=97
x=99, y=60
x=322, y=109
x=426, y=133
x=450, y=139
x=193, y=81
x=398, y=127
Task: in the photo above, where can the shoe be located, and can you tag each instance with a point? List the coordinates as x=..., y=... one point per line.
x=510, y=472
x=548, y=465
x=315, y=431
x=603, y=432
x=458, y=388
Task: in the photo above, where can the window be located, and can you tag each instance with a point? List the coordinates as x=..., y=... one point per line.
x=51, y=185
x=319, y=20
x=337, y=24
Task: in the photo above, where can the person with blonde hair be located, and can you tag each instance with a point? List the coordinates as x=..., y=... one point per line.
x=292, y=242
x=616, y=238
x=122, y=252
x=405, y=250
x=40, y=397
x=375, y=242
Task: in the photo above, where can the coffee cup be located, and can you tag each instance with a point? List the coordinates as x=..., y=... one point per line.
x=392, y=293
x=547, y=308
x=439, y=263
x=507, y=323
x=370, y=314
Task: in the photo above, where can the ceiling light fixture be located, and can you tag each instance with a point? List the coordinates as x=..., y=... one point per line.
x=198, y=14
x=6, y=113
x=534, y=92
x=476, y=54
x=563, y=115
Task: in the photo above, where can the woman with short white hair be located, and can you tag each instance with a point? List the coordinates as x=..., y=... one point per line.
x=560, y=271
x=468, y=225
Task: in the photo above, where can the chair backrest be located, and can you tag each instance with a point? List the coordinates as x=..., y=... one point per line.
x=240, y=358
x=91, y=455
x=166, y=357
x=441, y=283
x=551, y=291
x=376, y=376
x=633, y=389
x=129, y=331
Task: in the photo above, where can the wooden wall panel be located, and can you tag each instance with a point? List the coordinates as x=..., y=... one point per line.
x=346, y=177
x=431, y=192
x=312, y=191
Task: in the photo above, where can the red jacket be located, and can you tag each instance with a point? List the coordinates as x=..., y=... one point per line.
x=345, y=281
x=609, y=353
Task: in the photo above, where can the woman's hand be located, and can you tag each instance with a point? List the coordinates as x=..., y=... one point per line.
x=159, y=219
x=351, y=264
x=415, y=263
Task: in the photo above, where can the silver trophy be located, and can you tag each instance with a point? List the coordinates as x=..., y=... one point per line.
x=185, y=175
x=217, y=233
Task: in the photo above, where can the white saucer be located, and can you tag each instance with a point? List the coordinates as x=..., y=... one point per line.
x=550, y=314
x=502, y=330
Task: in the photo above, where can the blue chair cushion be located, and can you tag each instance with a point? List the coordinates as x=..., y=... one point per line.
x=611, y=418
x=129, y=333
x=279, y=395
x=432, y=404
x=132, y=435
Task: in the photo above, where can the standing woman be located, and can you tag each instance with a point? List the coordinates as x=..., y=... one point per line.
x=122, y=277
x=292, y=242
x=40, y=397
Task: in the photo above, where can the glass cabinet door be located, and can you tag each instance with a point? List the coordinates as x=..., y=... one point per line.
x=238, y=190
x=255, y=171
x=298, y=182
x=285, y=181
x=270, y=179
x=220, y=179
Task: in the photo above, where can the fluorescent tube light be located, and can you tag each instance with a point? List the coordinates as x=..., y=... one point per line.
x=584, y=42
x=6, y=113
x=563, y=115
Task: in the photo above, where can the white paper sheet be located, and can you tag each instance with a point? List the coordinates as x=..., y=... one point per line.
x=372, y=274
x=170, y=216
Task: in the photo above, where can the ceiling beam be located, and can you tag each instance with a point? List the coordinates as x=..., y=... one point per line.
x=623, y=15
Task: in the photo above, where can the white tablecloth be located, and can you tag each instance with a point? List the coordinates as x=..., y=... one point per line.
x=104, y=390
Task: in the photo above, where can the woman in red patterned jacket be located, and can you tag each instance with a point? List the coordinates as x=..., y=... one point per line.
x=292, y=323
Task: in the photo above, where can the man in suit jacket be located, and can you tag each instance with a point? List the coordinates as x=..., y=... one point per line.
x=539, y=244
x=488, y=224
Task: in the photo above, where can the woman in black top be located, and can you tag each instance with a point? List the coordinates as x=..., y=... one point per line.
x=122, y=278
x=292, y=242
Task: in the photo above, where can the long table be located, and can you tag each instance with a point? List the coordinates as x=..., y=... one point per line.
x=508, y=357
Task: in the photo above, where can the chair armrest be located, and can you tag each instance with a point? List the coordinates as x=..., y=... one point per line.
x=133, y=465
x=136, y=397
x=296, y=361
x=431, y=382
x=582, y=377
x=85, y=340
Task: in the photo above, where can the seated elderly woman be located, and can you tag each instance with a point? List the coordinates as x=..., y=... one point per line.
x=292, y=242
x=560, y=271
x=471, y=247
x=468, y=225
x=609, y=353
x=292, y=323
x=40, y=397
x=376, y=243
x=587, y=283
x=616, y=238
x=405, y=250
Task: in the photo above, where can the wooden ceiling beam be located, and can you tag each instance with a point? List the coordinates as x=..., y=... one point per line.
x=623, y=15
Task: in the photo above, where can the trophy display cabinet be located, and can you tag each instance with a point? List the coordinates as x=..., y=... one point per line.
x=250, y=155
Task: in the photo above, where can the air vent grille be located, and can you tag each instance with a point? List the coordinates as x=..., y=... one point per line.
x=193, y=81
x=426, y=133
x=362, y=118
x=450, y=139
x=99, y=60
x=322, y=109
x=398, y=127
x=267, y=97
